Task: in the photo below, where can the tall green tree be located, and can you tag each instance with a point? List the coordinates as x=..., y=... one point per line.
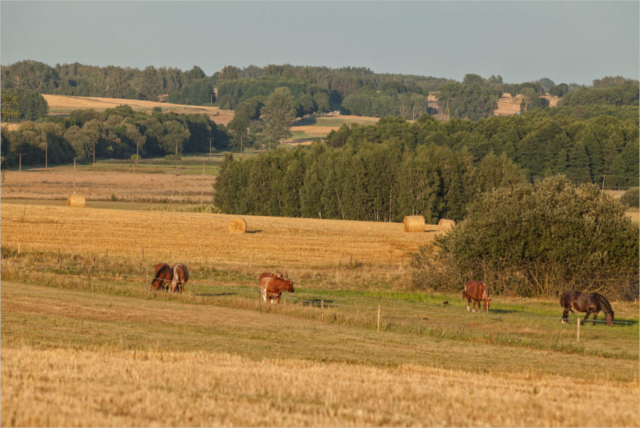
x=279, y=113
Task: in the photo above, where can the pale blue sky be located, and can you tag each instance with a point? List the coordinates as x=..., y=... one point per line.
x=565, y=41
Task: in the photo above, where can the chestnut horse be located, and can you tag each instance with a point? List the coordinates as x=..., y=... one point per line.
x=477, y=291
x=162, y=277
x=274, y=274
x=180, y=277
x=591, y=303
x=273, y=288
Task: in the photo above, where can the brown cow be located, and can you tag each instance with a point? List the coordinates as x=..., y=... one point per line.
x=162, y=277
x=477, y=291
x=273, y=287
x=180, y=277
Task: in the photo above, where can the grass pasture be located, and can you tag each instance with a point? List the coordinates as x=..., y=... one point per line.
x=85, y=343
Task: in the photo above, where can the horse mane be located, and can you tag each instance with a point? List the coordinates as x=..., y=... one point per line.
x=603, y=300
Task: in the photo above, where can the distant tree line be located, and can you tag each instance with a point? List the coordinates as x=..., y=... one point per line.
x=116, y=133
x=586, y=150
x=161, y=84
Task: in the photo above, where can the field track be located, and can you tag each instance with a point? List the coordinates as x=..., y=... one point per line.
x=76, y=358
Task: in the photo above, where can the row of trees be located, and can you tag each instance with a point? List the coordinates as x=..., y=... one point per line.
x=117, y=133
x=383, y=182
x=586, y=150
x=161, y=84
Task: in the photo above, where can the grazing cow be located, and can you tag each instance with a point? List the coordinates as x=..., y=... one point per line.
x=273, y=287
x=477, y=291
x=591, y=303
x=162, y=277
x=180, y=277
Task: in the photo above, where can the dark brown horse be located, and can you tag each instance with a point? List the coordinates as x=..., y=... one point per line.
x=476, y=291
x=180, y=277
x=162, y=277
x=591, y=303
x=272, y=288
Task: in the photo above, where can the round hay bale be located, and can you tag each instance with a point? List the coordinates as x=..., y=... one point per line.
x=75, y=200
x=414, y=223
x=446, y=223
x=237, y=225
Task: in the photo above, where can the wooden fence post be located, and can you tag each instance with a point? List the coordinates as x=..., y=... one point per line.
x=89, y=279
x=250, y=258
x=378, y=318
x=578, y=332
x=18, y=247
x=322, y=311
x=148, y=286
x=42, y=274
x=142, y=254
x=259, y=300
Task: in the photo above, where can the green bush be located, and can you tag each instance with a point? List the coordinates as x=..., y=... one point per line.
x=537, y=239
x=172, y=158
x=631, y=198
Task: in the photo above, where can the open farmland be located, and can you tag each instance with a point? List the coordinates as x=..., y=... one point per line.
x=96, y=348
x=316, y=127
x=64, y=104
x=76, y=358
x=154, y=180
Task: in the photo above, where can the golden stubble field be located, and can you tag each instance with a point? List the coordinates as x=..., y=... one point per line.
x=64, y=104
x=150, y=184
x=72, y=358
x=274, y=242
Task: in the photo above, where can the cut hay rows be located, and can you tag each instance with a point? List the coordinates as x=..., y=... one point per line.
x=414, y=223
x=204, y=238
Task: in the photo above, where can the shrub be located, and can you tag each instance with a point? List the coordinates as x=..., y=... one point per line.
x=631, y=198
x=537, y=239
x=172, y=158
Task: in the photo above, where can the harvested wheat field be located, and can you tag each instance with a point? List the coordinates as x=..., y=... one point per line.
x=154, y=184
x=62, y=387
x=204, y=238
x=84, y=359
x=60, y=104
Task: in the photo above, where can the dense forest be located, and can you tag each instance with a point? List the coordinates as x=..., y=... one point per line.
x=351, y=90
x=378, y=182
x=395, y=168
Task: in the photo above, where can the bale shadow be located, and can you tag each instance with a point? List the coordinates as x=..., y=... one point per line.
x=253, y=231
